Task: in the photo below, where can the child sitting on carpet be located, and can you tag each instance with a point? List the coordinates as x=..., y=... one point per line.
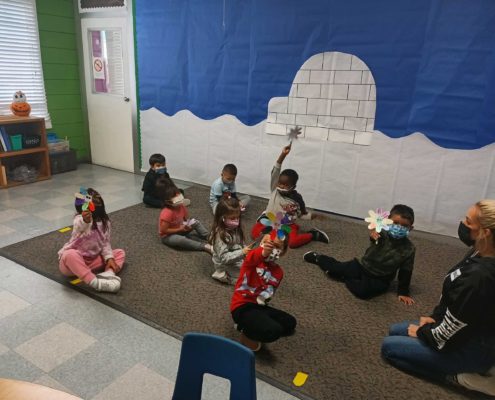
x=89, y=247
x=224, y=187
x=174, y=227
x=387, y=253
x=157, y=171
x=227, y=240
x=260, y=276
x=284, y=198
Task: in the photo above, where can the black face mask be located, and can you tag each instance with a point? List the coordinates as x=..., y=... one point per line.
x=464, y=233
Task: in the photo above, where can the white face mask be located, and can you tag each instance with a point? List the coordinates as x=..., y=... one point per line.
x=177, y=200
x=283, y=190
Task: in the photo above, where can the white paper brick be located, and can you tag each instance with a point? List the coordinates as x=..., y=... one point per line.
x=297, y=105
x=363, y=138
x=336, y=61
x=358, y=92
x=370, y=125
x=306, y=120
x=272, y=117
x=321, y=77
x=353, y=124
x=308, y=90
x=339, y=135
x=314, y=62
x=301, y=77
x=367, y=78
x=319, y=107
x=345, y=108
x=275, y=129
x=367, y=109
x=316, y=133
x=288, y=119
x=358, y=64
x=334, y=91
x=331, y=122
x=278, y=104
x=372, y=92
x=303, y=130
x=293, y=91
x=350, y=77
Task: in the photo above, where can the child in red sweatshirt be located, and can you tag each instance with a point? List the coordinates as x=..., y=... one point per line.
x=259, y=277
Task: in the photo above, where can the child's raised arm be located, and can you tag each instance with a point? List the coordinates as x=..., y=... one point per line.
x=278, y=166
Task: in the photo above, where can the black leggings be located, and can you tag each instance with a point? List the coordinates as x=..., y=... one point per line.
x=359, y=281
x=262, y=323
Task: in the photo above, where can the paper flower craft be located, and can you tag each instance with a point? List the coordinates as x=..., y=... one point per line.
x=378, y=220
x=85, y=200
x=294, y=133
x=278, y=224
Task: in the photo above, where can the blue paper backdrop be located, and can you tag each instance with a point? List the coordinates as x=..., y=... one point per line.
x=433, y=60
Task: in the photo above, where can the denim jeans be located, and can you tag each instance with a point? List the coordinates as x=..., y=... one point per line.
x=411, y=355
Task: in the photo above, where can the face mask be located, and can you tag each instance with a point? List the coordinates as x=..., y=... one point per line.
x=231, y=223
x=398, y=231
x=177, y=200
x=161, y=170
x=464, y=233
x=283, y=191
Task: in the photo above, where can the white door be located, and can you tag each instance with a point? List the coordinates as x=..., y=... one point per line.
x=109, y=101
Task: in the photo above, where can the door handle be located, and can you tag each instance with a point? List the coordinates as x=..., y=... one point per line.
x=126, y=99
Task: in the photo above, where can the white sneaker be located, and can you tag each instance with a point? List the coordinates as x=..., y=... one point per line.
x=106, y=285
x=223, y=277
x=186, y=202
x=109, y=274
x=208, y=248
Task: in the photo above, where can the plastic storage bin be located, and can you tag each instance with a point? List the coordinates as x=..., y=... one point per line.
x=16, y=141
x=63, y=161
x=60, y=146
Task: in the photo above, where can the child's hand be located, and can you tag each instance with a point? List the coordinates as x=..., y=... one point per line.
x=412, y=330
x=267, y=248
x=406, y=300
x=286, y=150
x=111, y=264
x=86, y=216
x=374, y=235
x=186, y=228
x=246, y=249
x=426, y=320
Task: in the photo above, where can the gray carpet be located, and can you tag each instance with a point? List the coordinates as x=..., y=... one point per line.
x=338, y=337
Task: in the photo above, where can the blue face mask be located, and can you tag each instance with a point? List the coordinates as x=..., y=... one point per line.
x=398, y=231
x=161, y=170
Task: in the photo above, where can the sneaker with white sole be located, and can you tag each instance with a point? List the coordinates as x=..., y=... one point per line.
x=105, y=285
x=311, y=257
x=223, y=277
x=319, y=235
x=109, y=274
x=208, y=248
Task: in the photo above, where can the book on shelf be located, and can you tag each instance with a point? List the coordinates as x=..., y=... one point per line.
x=4, y=139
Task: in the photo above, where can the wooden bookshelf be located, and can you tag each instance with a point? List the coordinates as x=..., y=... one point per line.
x=35, y=156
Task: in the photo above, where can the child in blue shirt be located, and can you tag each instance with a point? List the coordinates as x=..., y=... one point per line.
x=224, y=187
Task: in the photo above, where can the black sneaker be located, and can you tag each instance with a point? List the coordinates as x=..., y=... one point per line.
x=319, y=235
x=311, y=257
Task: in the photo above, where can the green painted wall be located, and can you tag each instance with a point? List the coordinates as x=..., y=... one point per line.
x=60, y=61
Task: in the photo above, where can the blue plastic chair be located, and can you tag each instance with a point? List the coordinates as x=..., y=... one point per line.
x=215, y=355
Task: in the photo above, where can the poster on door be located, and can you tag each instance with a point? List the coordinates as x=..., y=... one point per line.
x=98, y=68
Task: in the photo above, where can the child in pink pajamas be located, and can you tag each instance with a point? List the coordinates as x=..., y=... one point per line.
x=89, y=249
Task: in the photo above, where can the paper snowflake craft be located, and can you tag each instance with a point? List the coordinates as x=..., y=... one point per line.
x=294, y=133
x=85, y=200
x=278, y=224
x=378, y=220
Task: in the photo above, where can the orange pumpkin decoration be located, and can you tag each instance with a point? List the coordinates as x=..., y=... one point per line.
x=20, y=106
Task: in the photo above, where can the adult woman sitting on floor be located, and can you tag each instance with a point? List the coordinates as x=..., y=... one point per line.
x=459, y=336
